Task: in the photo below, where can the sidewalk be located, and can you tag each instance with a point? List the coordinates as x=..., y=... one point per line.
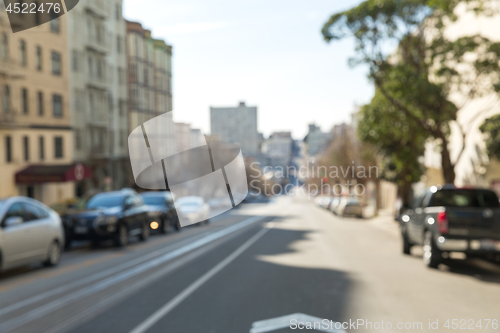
x=385, y=221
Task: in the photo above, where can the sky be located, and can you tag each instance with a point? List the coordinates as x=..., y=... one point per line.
x=267, y=53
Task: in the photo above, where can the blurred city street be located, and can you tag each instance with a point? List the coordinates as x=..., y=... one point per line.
x=253, y=166
x=300, y=259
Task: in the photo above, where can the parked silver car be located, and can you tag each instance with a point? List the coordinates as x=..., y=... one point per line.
x=349, y=207
x=29, y=232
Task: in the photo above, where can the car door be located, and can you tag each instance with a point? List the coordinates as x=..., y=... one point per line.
x=16, y=239
x=39, y=224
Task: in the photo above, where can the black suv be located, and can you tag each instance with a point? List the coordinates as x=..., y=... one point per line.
x=162, y=210
x=110, y=215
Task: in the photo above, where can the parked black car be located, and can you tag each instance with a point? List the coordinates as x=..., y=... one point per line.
x=162, y=210
x=451, y=219
x=110, y=215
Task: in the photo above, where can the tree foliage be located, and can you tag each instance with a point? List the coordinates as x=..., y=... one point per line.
x=415, y=67
x=400, y=145
x=491, y=127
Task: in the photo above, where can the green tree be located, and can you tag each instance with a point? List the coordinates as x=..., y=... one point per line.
x=491, y=127
x=415, y=67
x=399, y=145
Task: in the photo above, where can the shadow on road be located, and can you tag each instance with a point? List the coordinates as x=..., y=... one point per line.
x=273, y=278
x=477, y=268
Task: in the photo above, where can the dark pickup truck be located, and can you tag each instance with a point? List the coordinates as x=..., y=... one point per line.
x=450, y=219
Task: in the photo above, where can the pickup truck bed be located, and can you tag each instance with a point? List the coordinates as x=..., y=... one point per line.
x=453, y=220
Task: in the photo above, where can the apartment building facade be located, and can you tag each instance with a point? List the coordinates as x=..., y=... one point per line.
x=236, y=125
x=36, y=143
x=149, y=81
x=98, y=92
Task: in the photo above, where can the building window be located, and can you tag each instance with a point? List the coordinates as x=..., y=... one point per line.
x=118, y=44
x=8, y=149
x=58, y=147
x=40, y=103
x=91, y=66
x=123, y=136
x=56, y=63
x=123, y=106
x=26, y=145
x=38, y=58
x=75, y=61
x=41, y=146
x=6, y=99
x=121, y=76
x=4, y=52
x=24, y=96
x=23, y=59
x=78, y=139
x=54, y=24
x=99, y=68
x=57, y=106
x=118, y=12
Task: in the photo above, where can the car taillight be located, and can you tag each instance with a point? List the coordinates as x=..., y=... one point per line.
x=442, y=220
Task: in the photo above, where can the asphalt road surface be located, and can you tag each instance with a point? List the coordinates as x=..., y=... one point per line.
x=248, y=267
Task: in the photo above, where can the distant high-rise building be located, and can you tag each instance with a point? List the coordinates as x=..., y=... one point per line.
x=236, y=125
x=197, y=138
x=278, y=149
x=183, y=137
x=317, y=141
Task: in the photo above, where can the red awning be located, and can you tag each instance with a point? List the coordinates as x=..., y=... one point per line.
x=36, y=174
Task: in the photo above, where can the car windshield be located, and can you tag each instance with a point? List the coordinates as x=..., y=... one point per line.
x=105, y=201
x=465, y=198
x=154, y=200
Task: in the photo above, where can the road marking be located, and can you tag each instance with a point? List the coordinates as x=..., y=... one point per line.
x=92, y=278
x=113, y=280
x=279, y=323
x=164, y=310
x=97, y=306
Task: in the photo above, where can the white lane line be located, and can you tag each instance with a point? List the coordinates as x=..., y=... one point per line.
x=274, y=324
x=45, y=309
x=80, y=315
x=164, y=310
x=92, y=278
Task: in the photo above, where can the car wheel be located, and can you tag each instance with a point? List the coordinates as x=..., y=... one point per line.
x=54, y=255
x=145, y=232
x=432, y=255
x=406, y=243
x=121, y=239
x=165, y=226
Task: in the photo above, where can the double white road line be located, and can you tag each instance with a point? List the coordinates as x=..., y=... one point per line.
x=120, y=273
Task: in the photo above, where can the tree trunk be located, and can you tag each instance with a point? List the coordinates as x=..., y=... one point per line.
x=404, y=193
x=446, y=165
